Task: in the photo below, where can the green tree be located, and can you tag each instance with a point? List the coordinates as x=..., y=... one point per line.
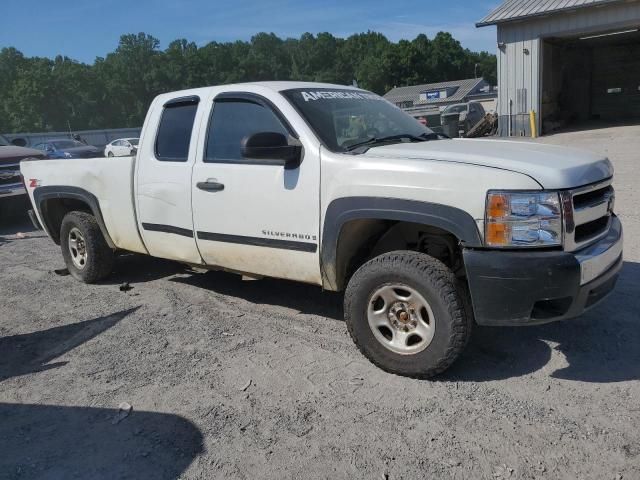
x=115, y=91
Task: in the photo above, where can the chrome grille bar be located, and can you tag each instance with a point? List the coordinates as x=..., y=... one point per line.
x=587, y=214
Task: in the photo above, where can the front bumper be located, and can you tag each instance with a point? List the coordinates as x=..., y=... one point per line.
x=528, y=288
x=12, y=190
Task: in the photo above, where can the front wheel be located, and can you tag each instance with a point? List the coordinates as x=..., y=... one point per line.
x=110, y=154
x=84, y=249
x=406, y=313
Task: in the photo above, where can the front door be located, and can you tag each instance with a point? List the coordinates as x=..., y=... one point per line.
x=254, y=215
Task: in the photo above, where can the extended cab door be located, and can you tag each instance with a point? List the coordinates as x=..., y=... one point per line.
x=251, y=215
x=163, y=191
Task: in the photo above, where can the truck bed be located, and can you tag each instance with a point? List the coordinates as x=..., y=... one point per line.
x=110, y=180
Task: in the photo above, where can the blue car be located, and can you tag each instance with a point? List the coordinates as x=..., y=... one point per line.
x=68, y=149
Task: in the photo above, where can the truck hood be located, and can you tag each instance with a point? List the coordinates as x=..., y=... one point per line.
x=11, y=154
x=551, y=166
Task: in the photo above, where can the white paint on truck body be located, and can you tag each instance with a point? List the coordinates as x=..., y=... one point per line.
x=163, y=188
x=108, y=179
x=423, y=180
x=260, y=201
x=266, y=201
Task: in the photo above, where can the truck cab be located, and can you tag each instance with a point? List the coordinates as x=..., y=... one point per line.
x=334, y=186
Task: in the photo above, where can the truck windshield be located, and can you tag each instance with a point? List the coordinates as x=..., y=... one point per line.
x=346, y=118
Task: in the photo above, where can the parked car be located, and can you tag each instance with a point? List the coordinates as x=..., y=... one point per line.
x=66, y=148
x=122, y=147
x=334, y=186
x=432, y=120
x=469, y=114
x=12, y=190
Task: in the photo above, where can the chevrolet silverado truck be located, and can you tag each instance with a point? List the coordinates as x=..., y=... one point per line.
x=336, y=187
x=13, y=195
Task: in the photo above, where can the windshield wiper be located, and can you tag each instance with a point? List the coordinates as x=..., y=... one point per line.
x=380, y=140
x=433, y=136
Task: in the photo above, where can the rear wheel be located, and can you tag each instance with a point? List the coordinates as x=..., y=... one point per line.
x=84, y=249
x=110, y=154
x=406, y=313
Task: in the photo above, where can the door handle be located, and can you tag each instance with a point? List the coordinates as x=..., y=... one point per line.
x=210, y=186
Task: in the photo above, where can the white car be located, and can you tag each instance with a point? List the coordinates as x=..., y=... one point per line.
x=336, y=187
x=122, y=147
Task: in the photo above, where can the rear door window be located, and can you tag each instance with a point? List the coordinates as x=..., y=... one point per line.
x=174, y=131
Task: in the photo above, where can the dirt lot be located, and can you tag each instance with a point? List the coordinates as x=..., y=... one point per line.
x=231, y=379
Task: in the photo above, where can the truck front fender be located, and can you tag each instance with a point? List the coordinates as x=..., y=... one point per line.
x=343, y=210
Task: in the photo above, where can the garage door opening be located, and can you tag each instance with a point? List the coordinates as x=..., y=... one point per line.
x=590, y=80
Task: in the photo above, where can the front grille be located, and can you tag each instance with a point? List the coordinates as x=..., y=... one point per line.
x=588, y=212
x=9, y=174
x=594, y=197
x=591, y=229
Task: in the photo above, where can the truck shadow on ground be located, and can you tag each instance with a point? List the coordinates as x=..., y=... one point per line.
x=135, y=268
x=306, y=299
x=45, y=441
x=34, y=352
x=601, y=346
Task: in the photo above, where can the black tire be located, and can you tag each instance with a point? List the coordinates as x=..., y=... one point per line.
x=110, y=154
x=99, y=257
x=437, y=285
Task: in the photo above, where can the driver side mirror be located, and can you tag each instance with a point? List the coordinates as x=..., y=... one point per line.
x=272, y=146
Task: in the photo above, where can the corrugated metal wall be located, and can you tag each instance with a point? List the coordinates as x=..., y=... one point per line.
x=518, y=70
x=518, y=81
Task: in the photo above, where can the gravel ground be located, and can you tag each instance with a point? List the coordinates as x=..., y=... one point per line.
x=232, y=379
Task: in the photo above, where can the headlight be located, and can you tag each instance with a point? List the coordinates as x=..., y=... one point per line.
x=523, y=219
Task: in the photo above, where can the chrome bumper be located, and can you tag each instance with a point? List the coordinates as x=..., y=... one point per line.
x=12, y=190
x=596, y=259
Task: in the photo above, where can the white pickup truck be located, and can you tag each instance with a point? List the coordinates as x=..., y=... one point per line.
x=336, y=187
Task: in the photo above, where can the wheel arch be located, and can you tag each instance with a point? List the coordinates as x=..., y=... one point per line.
x=53, y=202
x=352, y=223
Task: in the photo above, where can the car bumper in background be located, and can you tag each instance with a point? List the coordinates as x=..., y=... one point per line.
x=528, y=287
x=34, y=220
x=12, y=190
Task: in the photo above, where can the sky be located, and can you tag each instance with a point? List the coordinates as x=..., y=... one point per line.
x=84, y=30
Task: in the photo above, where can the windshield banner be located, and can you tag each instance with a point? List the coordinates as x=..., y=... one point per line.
x=339, y=94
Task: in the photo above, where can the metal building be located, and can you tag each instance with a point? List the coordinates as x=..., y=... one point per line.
x=571, y=62
x=428, y=100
